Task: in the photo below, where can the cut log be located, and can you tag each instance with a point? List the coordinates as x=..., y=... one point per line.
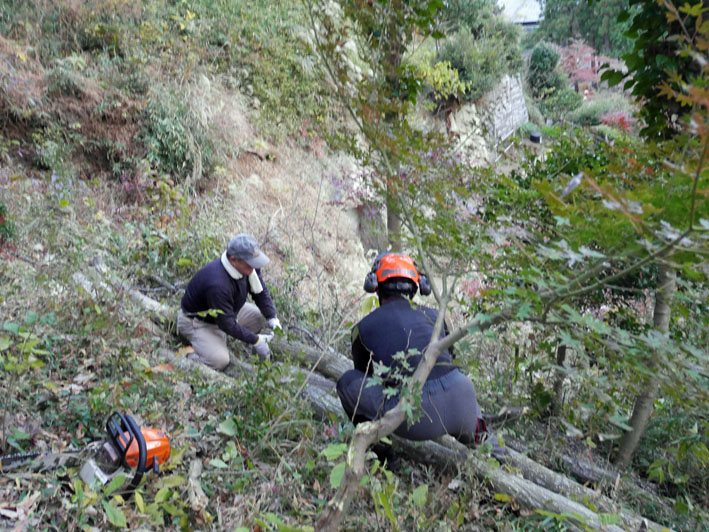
x=329, y=363
x=586, y=471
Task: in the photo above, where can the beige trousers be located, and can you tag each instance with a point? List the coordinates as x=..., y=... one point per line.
x=209, y=341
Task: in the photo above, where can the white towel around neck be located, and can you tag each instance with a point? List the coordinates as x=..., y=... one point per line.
x=254, y=281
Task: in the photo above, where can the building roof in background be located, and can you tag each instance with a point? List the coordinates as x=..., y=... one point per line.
x=520, y=11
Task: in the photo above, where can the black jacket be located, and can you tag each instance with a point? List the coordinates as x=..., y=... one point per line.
x=397, y=326
x=212, y=288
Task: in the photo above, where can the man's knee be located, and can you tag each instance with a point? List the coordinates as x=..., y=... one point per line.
x=215, y=358
x=219, y=359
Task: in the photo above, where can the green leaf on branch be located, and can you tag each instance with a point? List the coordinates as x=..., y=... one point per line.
x=12, y=327
x=336, y=475
x=701, y=452
x=334, y=451
x=568, y=340
x=524, y=311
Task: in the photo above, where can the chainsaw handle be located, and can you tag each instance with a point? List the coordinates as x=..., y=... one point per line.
x=142, y=451
x=117, y=433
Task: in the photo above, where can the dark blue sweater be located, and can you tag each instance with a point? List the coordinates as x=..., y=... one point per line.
x=212, y=288
x=395, y=327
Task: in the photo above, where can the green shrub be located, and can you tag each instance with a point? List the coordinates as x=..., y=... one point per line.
x=608, y=132
x=474, y=15
x=63, y=81
x=7, y=226
x=526, y=129
x=52, y=151
x=480, y=61
x=560, y=103
x=102, y=36
x=590, y=113
x=178, y=142
x=263, y=46
x=543, y=76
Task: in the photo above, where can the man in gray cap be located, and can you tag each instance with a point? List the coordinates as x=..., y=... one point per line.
x=214, y=304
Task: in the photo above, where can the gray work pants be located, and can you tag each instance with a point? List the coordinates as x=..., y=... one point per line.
x=209, y=341
x=449, y=406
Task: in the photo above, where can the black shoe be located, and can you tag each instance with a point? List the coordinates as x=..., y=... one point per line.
x=387, y=456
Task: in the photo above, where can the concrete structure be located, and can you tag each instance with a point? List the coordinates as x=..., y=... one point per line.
x=527, y=13
x=504, y=108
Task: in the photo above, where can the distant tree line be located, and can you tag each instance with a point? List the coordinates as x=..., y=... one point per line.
x=593, y=21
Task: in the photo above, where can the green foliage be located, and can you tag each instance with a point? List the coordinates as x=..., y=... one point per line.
x=657, y=58
x=265, y=49
x=591, y=21
x=475, y=15
x=526, y=129
x=103, y=36
x=560, y=103
x=64, y=80
x=51, y=150
x=481, y=60
x=535, y=115
x=443, y=80
x=179, y=142
x=590, y=112
x=24, y=348
x=549, y=85
x=608, y=132
x=543, y=76
x=7, y=226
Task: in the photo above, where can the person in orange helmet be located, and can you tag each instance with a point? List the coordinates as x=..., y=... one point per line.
x=449, y=404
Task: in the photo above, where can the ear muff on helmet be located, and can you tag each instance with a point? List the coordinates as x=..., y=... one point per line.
x=371, y=283
x=424, y=285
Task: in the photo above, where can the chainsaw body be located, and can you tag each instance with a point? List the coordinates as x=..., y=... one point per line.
x=128, y=447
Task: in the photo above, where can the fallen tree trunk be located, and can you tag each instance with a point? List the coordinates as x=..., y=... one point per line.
x=447, y=452
x=538, y=488
x=329, y=363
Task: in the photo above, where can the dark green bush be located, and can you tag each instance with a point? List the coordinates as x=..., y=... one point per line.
x=543, y=77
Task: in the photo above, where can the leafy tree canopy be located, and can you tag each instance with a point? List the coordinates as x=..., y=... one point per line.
x=589, y=20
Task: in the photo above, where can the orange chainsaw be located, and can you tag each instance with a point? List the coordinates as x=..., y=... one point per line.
x=128, y=446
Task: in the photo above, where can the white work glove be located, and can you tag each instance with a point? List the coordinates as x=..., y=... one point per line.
x=274, y=324
x=261, y=347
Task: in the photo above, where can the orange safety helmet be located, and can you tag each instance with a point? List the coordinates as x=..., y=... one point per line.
x=390, y=265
